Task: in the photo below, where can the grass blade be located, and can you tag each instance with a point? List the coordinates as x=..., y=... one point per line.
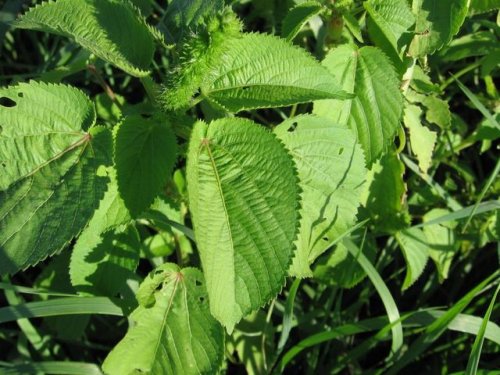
x=53, y=367
x=450, y=201
x=485, y=188
x=477, y=103
x=461, y=323
x=436, y=329
x=27, y=290
x=475, y=354
x=288, y=315
x=384, y=293
x=61, y=306
x=463, y=213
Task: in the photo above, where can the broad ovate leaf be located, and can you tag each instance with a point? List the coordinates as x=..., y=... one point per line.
x=413, y=244
x=392, y=19
x=436, y=23
x=243, y=196
x=422, y=139
x=145, y=153
x=49, y=185
x=331, y=169
x=175, y=334
x=260, y=71
x=114, y=30
x=375, y=111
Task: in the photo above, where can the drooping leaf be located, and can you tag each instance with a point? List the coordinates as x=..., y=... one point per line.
x=393, y=18
x=50, y=187
x=442, y=241
x=145, y=152
x=297, y=17
x=413, y=244
x=375, y=111
x=436, y=23
x=113, y=30
x=176, y=335
x=330, y=164
x=384, y=200
x=259, y=71
x=243, y=196
x=422, y=139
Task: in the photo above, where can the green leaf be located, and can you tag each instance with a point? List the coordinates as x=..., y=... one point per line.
x=243, y=196
x=384, y=199
x=376, y=110
x=413, y=244
x=145, y=153
x=52, y=367
x=481, y=6
x=438, y=327
x=422, y=139
x=110, y=214
x=479, y=43
x=113, y=30
x=475, y=354
x=177, y=335
x=437, y=22
x=339, y=267
x=393, y=18
x=249, y=348
x=103, y=268
x=438, y=111
x=60, y=306
x=260, y=71
x=330, y=164
x=50, y=192
x=442, y=241
x=297, y=17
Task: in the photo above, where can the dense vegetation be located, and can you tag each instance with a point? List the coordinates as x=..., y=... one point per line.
x=249, y=186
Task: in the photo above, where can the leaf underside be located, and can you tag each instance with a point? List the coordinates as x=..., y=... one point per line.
x=176, y=335
x=114, y=30
x=376, y=110
x=51, y=186
x=243, y=198
x=330, y=164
